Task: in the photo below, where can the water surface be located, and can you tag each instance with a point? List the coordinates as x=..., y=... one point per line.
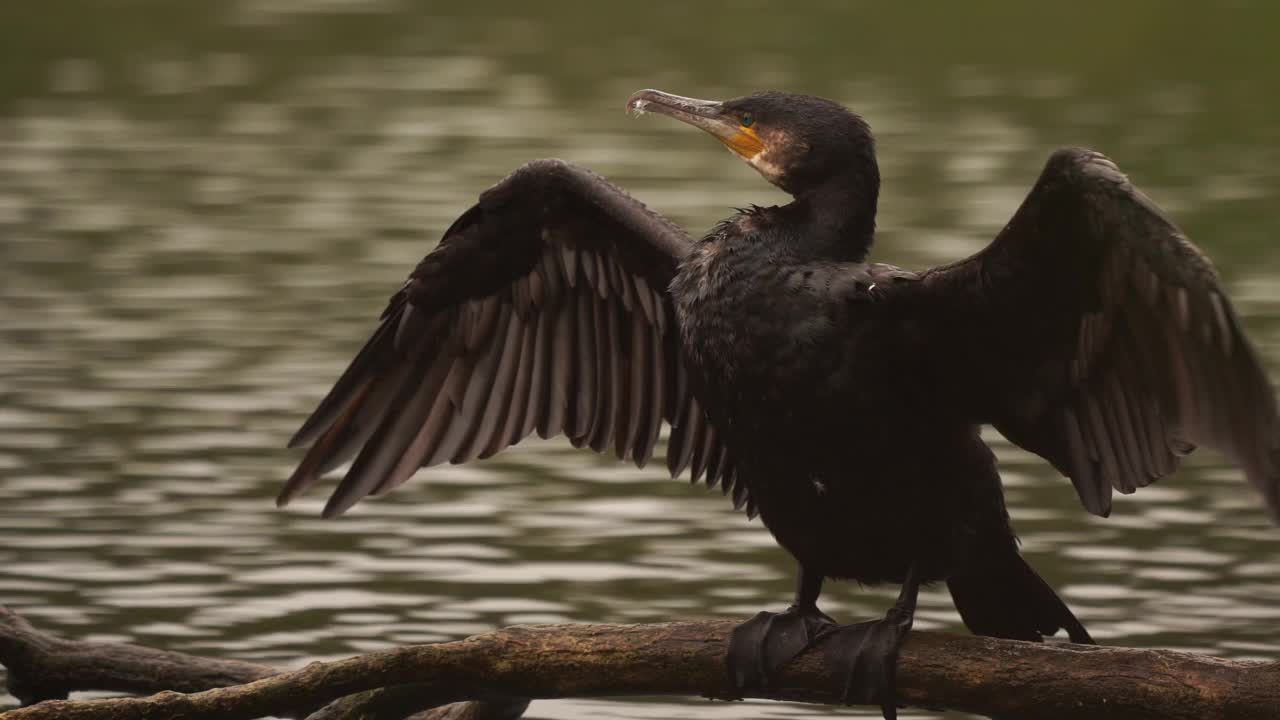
x=203, y=207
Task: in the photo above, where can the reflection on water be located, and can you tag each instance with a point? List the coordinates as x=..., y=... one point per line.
x=202, y=212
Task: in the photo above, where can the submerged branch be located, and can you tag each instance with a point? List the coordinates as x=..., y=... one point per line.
x=41, y=666
x=935, y=670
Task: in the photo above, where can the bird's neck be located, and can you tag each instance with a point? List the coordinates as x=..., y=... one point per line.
x=839, y=215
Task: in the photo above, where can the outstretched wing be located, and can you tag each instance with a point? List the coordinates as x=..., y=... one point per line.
x=1093, y=333
x=544, y=307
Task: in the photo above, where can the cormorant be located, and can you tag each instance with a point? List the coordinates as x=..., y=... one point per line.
x=839, y=399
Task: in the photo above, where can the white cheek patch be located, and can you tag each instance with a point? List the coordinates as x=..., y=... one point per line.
x=775, y=138
x=760, y=161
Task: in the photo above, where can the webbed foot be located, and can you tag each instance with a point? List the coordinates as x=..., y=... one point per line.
x=865, y=657
x=761, y=646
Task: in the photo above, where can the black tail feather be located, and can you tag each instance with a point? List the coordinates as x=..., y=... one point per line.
x=1002, y=596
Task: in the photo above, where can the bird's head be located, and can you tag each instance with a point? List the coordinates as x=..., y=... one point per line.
x=797, y=142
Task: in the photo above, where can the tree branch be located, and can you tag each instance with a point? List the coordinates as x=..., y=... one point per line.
x=43, y=667
x=937, y=670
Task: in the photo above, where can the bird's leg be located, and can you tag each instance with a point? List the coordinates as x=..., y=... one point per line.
x=865, y=655
x=761, y=646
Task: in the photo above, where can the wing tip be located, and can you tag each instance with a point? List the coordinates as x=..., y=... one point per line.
x=355, y=487
x=338, y=504
x=311, y=428
x=1084, y=163
x=1092, y=488
x=301, y=479
x=1097, y=503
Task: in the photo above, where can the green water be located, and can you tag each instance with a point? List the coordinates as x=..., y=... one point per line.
x=203, y=207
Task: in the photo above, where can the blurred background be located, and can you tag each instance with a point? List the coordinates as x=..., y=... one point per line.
x=203, y=207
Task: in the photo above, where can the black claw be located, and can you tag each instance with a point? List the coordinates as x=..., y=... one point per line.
x=763, y=645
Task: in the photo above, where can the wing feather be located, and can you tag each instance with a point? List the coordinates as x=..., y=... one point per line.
x=562, y=338
x=602, y=418
x=1104, y=339
x=394, y=436
x=587, y=398
x=428, y=437
x=544, y=308
x=651, y=422
x=486, y=391
x=683, y=438
x=538, y=384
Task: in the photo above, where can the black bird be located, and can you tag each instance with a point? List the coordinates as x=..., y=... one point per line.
x=839, y=399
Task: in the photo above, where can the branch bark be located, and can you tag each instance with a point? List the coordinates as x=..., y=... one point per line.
x=41, y=666
x=936, y=670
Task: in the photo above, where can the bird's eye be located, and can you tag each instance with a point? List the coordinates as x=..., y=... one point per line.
x=748, y=119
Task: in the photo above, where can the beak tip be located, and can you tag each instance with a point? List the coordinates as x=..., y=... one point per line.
x=704, y=114
x=638, y=101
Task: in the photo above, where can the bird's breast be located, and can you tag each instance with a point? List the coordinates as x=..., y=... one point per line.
x=718, y=294
x=759, y=328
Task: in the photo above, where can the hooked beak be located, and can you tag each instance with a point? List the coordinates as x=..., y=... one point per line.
x=706, y=114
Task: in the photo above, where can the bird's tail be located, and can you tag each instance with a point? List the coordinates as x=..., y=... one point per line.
x=999, y=595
